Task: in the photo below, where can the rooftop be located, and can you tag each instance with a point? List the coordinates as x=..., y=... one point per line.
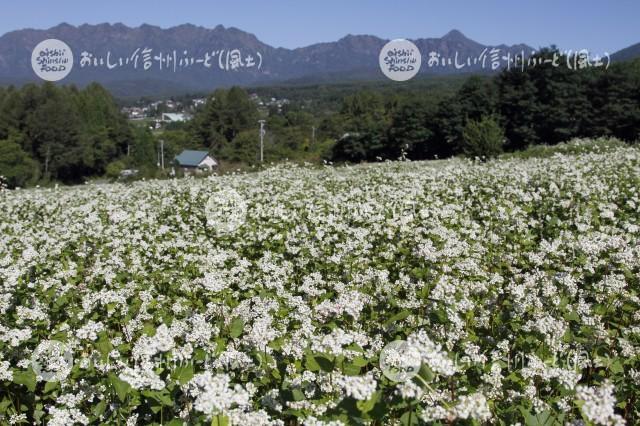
x=191, y=158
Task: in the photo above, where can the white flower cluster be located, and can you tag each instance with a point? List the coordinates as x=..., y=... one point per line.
x=226, y=210
x=214, y=394
x=473, y=406
x=66, y=417
x=400, y=362
x=6, y=374
x=358, y=387
x=432, y=353
x=598, y=404
x=90, y=330
x=533, y=260
x=148, y=346
x=142, y=377
x=52, y=361
x=537, y=368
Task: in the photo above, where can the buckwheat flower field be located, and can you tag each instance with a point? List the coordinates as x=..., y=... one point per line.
x=267, y=298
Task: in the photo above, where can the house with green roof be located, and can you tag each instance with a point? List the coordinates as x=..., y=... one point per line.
x=194, y=161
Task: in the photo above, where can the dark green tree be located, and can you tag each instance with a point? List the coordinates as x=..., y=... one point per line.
x=16, y=166
x=411, y=129
x=226, y=114
x=482, y=138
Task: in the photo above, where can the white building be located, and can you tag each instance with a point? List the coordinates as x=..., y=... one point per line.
x=171, y=117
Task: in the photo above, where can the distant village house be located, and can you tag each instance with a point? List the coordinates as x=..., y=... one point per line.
x=170, y=117
x=195, y=161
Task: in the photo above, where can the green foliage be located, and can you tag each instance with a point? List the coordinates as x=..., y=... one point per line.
x=69, y=133
x=244, y=148
x=226, y=114
x=175, y=141
x=359, y=147
x=482, y=138
x=366, y=116
x=475, y=99
x=17, y=168
x=410, y=131
x=143, y=149
x=544, y=104
x=284, y=318
x=114, y=168
x=72, y=134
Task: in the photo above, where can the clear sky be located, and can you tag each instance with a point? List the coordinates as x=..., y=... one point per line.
x=598, y=25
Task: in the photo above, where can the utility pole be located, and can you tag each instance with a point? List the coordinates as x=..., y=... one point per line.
x=46, y=161
x=162, y=153
x=313, y=135
x=261, y=140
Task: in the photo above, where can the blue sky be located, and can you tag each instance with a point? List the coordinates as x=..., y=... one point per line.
x=600, y=26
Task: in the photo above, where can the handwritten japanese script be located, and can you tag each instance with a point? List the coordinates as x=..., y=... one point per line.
x=146, y=58
x=496, y=59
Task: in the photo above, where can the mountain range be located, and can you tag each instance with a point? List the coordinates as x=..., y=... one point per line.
x=151, y=61
x=627, y=53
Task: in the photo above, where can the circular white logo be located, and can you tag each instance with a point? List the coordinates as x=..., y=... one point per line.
x=400, y=361
x=52, y=60
x=226, y=211
x=400, y=60
x=52, y=361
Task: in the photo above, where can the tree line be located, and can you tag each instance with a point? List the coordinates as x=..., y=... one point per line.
x=58, y=133
x=51, y=133
x=540, y=105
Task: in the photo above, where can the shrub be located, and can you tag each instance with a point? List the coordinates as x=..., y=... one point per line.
x=16, y=166
x=482, y=138
x=114, y=168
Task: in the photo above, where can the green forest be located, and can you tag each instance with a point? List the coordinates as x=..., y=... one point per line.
x=51, y=134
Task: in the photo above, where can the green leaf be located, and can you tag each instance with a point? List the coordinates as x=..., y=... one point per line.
x=26, y=378
x=121, y=387
x=426, y=373
x=572, y=316
x=616, y=367
x=237, y=327
x=160, y=396
x=366, y=406
x=297, y=395
x=149, y=329
x=325, y=363
x=410, y=418
x=311, y=363
x=100, y=408
x=359, y=361
x=49, y=386
x=220, y=420
x=104, y=345
x=398, y=317
x=183, y=373
x=351, y=369
x=544, y=418
x=6, y=402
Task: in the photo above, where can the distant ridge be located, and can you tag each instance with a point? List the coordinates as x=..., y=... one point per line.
x=627, y=54
x=352, y=57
